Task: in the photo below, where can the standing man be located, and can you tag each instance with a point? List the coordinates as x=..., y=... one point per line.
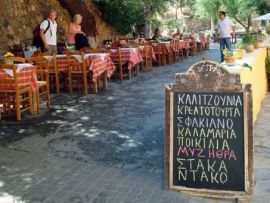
x=48, y=29
x=225, y=27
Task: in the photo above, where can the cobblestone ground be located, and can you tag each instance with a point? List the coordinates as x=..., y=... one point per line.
x=105, y=148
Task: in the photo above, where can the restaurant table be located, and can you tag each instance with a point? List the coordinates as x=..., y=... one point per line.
x=27, y=75
x=165, y=47
x=141, y=48
x=255, y=76
x=183, y=44
x=166, y=52
x=98, y=63
x=130, y=55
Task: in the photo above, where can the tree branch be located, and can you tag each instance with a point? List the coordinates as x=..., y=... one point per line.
x=240, y=22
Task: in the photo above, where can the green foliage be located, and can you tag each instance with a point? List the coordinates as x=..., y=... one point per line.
x=248, y=39
x=246, y=65
x=240, y=45
x=124, y=14
x=184, y=4
x=240, y=8
x=263, y=7
x=155, y=23
x=207, y=9
x=172, y=25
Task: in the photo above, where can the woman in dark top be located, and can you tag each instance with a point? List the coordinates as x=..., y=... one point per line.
x=157, y=35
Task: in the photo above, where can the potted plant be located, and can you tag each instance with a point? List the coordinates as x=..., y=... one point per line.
x=248, y=41
x=228, y=56
x=239, y=51
x=258, y=41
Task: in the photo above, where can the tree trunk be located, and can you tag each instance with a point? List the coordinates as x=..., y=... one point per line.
x=249, y=23
x=148, y=25
x=242, y=24
x=212, y=24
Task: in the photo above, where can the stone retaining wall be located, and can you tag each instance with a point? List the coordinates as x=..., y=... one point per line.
x=18, y=18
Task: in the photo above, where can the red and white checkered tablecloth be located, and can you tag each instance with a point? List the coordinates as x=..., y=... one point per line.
x=130, y=55
x=26, y=76
x=183, y=44
x=166, y=48
x=152, y=53
x=98, y=63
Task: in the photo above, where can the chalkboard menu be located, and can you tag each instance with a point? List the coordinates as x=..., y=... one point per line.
x=208, y=141
x=209, y=133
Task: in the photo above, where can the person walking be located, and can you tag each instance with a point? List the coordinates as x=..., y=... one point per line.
x=225, y=27
x=48, y=36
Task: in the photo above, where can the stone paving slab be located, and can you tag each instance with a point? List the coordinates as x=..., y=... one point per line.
x=105, y=148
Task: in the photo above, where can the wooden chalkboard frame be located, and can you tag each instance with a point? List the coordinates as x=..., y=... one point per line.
x=170, y=90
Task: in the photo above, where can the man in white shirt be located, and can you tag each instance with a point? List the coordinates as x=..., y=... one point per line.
x=225, y=27
x=48, y=30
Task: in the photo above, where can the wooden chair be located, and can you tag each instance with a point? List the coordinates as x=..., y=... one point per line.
x=177, y=51
x=97, y=85
x=199, y=47
x=174, y=52
x=147, y=57
x=121, y=66
x=17, y=59
x=18, y=97
x=159, y=54
x=193, y=46
x=180, y=51
x=187, y=50
x=53, y=72
x=42, y=67
x=77, y=71
x=203, y=41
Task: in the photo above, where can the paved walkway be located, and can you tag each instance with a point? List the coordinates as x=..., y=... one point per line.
x=105, y=148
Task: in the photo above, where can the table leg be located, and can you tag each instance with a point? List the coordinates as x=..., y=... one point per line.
x=164, y=63
x=137, y=70
x=105, y=80
x=129, y=74
x=96, y=87
x=99, y=86
x=35, y=106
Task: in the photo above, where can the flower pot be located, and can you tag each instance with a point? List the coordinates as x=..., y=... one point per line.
x=238, y=53
x=229, y=59
x=249, y=48
x=257, y=44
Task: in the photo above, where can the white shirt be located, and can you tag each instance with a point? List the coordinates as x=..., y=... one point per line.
x=225, y=28
x=50, y=35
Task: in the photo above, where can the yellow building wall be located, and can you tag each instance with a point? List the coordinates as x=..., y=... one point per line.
x=257, y=78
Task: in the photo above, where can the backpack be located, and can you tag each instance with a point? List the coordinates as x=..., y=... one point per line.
x=37, y=41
